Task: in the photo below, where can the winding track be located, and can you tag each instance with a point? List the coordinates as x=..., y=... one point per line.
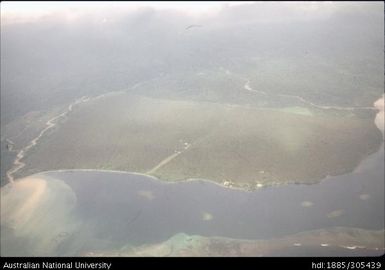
x=18, y=164
x=248, y=88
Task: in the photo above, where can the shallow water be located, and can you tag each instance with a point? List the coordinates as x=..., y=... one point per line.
x=138, y=209
x=112, y=209
x=81, y=211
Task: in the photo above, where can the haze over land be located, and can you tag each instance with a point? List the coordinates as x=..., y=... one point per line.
x=246, y=95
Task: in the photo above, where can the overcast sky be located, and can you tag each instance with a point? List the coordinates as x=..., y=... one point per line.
x=26, y=11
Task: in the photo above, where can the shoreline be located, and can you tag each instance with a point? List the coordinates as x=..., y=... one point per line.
x=232, y=187
x=176, y=245
x=18, y=164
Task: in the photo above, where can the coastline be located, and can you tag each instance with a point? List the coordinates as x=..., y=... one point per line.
x=377, y=105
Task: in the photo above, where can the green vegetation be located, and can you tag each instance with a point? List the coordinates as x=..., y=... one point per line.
x=175, y=140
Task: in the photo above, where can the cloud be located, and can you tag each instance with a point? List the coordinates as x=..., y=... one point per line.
x=13, y=12
x=265, y=12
